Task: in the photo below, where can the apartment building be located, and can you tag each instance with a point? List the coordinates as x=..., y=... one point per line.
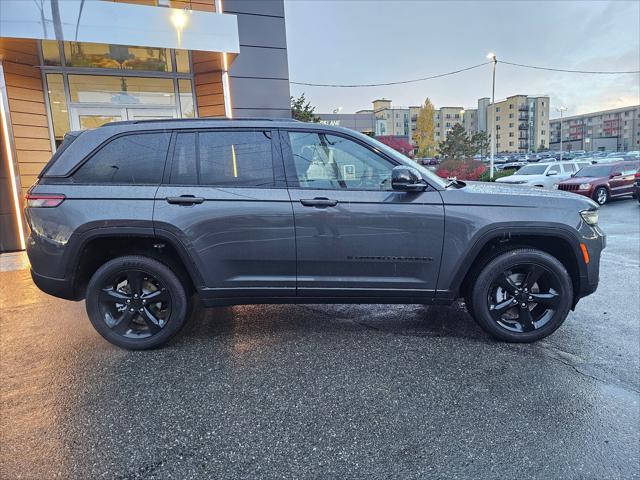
x=445, y=118
x=521, y=123
x=72, y=65
x=617, y=129
x=391, y=120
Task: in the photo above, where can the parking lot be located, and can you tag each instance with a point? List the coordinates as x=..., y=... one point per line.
x=318, y=391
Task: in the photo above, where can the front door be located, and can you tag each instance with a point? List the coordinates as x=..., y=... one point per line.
x=355, y=235
x=225, y=199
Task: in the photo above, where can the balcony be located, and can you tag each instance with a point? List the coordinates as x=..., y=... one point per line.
x=523, y=126
x=523, y=117
x=523, y=108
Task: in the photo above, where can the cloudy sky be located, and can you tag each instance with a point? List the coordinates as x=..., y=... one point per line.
x=359, y=41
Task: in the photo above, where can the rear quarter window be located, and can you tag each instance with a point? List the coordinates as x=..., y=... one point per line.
x=136, y=159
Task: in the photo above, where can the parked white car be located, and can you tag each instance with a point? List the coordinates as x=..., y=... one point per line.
x=544, y=175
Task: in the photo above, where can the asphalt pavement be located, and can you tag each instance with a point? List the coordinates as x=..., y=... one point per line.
x=335, y=392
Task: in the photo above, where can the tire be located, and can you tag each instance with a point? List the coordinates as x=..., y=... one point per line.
x=601, y=195
x=136, y=321
x=521, y=295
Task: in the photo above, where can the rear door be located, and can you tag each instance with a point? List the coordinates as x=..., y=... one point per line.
x=622, y=184
x=355, y=235
x=224, y=198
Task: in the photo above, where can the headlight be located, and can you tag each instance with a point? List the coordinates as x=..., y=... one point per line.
x=590, y=216
x=584, y=186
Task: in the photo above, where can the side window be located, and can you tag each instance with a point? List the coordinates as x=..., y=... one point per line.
x=184, y=167
x=131, y=159
x=568, y=167
x=235, y=159
x=331, y=162
x=629, y=169
x=553, y=169
x=223, y=158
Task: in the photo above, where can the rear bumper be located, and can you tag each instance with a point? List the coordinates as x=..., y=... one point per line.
x=58, y=287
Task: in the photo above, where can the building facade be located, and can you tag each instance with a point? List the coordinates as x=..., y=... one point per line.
x=362, y=121
x=521, y=123
x=390, y=120
x=611, y=130
x=61, y=70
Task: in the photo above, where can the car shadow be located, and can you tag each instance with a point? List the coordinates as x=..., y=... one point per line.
x=292, y=320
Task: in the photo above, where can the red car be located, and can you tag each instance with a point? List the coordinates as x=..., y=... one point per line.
x=603, y=181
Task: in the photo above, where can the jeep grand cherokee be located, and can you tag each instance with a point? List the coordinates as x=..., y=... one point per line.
x=136, y=217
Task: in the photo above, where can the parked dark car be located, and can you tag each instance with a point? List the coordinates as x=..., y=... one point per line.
x=136, y=217
x=603, y=181
x=637, y=186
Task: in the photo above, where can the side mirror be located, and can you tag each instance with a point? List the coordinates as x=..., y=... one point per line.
x=551, y=173
x=407, y=179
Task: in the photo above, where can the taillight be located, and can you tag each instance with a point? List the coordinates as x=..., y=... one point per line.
x=43, y=200
x=637, y=175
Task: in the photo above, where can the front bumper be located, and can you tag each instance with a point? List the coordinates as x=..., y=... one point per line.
x=595, y=241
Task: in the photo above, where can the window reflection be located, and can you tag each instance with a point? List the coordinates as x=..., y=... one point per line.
x=58, y=104
x=182, y=61
x=121, y=90
x=51, y=52
x=100, y=55
x=186, y=98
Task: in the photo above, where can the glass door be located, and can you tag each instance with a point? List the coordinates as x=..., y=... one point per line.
x=83, y=118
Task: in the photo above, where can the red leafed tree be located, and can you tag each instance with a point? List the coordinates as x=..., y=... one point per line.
x=400, y=144
x=461, y=169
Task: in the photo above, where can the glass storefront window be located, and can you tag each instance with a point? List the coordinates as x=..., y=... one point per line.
x=182, y=61
x=51, y=52
x=100, y=55
x=186, y=98
x=116, y=90
x=59, y=108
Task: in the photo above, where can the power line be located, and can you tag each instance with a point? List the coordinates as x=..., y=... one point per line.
x=333, y=85
x=440, y=75
x=594, y=72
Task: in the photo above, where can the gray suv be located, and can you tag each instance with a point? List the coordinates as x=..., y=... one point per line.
x=138, y=217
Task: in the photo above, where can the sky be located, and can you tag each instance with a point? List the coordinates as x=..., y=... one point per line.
x=361, y=41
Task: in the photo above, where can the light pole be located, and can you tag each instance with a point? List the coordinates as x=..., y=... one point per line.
x=492, y=56
x=561, y=110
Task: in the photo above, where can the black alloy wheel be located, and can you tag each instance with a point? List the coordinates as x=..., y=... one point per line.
x=136, y=302
x=524, y=298
x=521, y=295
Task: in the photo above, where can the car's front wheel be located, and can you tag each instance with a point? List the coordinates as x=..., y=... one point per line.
x=522, y=295
x=601, y=195
x=136, y=302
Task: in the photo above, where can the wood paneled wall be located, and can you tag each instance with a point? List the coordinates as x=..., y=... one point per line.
x=27, y=109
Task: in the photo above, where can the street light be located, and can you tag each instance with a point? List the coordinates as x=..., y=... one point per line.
x=492, y=56
x=561, y=110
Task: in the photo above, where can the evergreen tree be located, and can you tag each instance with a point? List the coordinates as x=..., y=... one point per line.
x=302, y=110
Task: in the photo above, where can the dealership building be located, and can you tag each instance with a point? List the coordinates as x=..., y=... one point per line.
x=72, y=64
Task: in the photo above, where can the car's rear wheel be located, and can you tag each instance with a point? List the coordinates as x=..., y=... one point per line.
x=522, y=295
x=601, y=195
x=136, y=302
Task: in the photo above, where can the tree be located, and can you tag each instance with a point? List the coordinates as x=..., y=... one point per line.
x=457, y=144
x=399, y=144
x=481, y=143
x=302, y=110
x=424, y=136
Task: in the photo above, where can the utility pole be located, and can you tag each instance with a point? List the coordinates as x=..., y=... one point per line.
x=492, y=56
x=561, y=110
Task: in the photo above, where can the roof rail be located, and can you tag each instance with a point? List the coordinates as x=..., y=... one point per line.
x=204, y=119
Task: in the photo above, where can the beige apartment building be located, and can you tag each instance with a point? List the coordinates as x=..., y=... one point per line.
x=521, y=123
x=391, y=120
x=444, y=120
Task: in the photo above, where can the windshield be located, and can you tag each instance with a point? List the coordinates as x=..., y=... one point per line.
x=532, y=170
x=428, y=174
x=593, y=171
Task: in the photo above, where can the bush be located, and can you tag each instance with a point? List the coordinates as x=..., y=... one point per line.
x=461, y=169
x=496, y=174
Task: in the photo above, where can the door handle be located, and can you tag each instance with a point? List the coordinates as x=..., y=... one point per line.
x=184, y=200
x=318, y=202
